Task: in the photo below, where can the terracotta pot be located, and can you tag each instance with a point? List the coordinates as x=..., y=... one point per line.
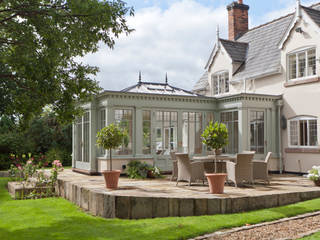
x=111, y=178
x=317, y=183
x=218, y=151
x=216, y=182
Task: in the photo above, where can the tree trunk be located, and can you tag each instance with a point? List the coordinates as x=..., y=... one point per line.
x=110, y=153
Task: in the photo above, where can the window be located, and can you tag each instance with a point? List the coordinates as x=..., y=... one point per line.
x=230, y=119
x=146, y=126
x=166, y=132
x=191, y=132
x=82, y=142
x=257, y=131
x=220, y=83
x=303, y=132
x=101, y=124
x=123, y=117
x=302, y=64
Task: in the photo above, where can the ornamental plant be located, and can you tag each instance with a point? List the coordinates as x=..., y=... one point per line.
x=216, y=137
x=110, y=137
x=314, y=173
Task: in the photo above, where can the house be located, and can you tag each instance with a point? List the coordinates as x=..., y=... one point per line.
x=263, y=83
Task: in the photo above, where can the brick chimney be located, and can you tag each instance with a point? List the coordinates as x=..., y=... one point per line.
x=238, y=19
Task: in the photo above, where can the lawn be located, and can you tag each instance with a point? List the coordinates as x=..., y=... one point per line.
x=315, y=236
x=56, y=218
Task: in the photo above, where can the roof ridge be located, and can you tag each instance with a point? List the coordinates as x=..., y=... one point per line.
x=277, y=19
x=227, y=40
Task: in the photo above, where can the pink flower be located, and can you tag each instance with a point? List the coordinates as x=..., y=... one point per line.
x=19, y=167
x=29, y=162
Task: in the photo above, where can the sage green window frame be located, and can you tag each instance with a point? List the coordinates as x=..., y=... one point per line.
x=231, y=120
x=124, y=150
x=220, y=83
x=102, y=122
x=146, y=131
x=192, y=127
x=257, y=130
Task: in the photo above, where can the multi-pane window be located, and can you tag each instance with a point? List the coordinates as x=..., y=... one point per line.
x=231, y=120
x=220, y=83
x=166, y=125
x=257, y=131
x=302, y=64
x=209, y=118
x=191, y=132
x=303, y=132
x=146, y=128
x=123, y=117
x=101, y=124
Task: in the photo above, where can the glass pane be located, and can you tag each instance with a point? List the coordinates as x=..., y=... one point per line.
x=257, y=131
x=209, y=118
x=311, y=62
x=215, y=84
x=226, y=82
x=198, y=132
x=185, y=131
x=292, y=67
x=146, y=126
x=86, y=136
x=303, y=125
x=313, y=133
x=124, y=119
x=102, y=124
x=302, y=64
x=294, y=139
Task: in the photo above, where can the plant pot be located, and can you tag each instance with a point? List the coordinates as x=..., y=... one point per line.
x=317, y=182
x=218, y=151
x=216, y=182
x=150, y=174
x=111, y=178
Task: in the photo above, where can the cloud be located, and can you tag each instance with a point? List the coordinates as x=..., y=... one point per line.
x=177, y=40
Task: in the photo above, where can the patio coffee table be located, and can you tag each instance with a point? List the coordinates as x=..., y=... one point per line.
x=209, y=162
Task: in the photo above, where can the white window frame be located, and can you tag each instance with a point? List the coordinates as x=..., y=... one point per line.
x=296, y=53
x=219, y=75
x=298, y=119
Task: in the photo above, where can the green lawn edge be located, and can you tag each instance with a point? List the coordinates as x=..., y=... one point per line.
x=57, y=218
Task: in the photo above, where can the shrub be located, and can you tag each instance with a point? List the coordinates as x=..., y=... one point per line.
x=58, y=154
x=314, y=173
x=139, y=170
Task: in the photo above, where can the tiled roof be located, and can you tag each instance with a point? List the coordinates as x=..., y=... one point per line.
x=236, y=50
x=202, y=83
x=313, y=13
x=263, y=55
x=158, y=88
x=258, y=49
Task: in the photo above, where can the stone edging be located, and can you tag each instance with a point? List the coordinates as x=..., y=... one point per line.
x=4, y=174
x=244, y=228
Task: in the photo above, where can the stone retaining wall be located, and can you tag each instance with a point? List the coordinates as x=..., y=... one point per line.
x=4, y=174
x=109, y=205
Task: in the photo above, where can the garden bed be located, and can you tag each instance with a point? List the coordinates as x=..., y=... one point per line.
x=20, y=190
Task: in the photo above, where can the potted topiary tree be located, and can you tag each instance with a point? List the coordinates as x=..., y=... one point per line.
x=215, y=136
x=109, y=138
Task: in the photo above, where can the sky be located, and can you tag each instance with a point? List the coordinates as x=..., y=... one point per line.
x=174, y=37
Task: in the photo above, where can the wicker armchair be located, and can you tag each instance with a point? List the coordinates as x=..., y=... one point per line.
x=189, y=171
x=241, y=170
x=260, y=169
x=174, y=175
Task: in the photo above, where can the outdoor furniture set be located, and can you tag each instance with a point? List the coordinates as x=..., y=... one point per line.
x=238, y=169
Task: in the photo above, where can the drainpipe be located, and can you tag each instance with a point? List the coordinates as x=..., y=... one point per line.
x=280, y=104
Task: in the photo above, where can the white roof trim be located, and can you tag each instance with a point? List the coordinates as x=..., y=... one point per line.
x=301, y=14
x=220, y=46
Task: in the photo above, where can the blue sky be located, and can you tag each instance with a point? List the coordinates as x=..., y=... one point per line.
x=173, y=36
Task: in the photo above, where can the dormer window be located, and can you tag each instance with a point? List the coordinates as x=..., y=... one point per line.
x=302, y=64
x=220, y=83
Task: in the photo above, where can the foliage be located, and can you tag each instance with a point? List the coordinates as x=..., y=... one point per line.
x=57, y=218
x=44, y=134
x=314, y=173
x=215, y=135
x=139, y=170
x=39, y=42
x=110, y=137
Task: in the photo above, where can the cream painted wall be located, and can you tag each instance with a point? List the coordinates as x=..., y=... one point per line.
x=301, y=99
x=298, y=100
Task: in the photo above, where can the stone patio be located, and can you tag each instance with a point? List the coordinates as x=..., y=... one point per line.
x=137, y=199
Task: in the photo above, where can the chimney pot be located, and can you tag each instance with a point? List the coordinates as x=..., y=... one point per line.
x=240, y=1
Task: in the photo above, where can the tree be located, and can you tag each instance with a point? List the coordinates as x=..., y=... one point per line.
x=109, y=138
x=216, y=137
x=39, y=42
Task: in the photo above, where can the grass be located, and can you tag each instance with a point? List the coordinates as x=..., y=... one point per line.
x=56, y=218
x=315, y=236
